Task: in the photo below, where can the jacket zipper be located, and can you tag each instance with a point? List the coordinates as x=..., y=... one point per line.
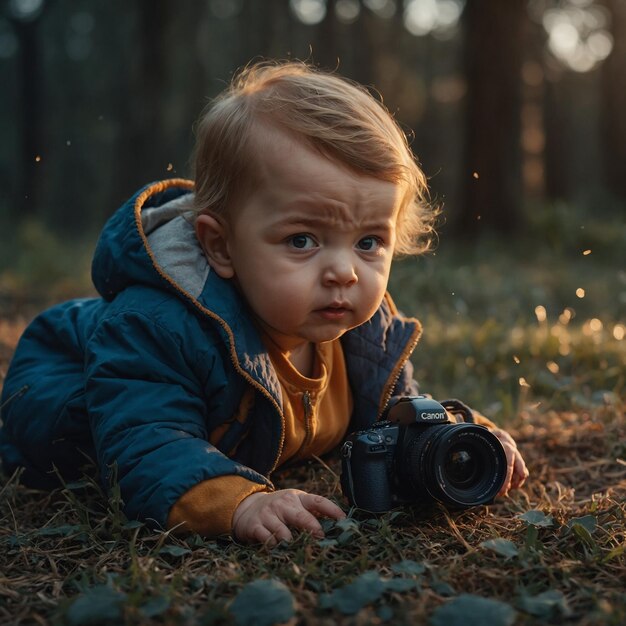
x=395, y=375
x=307, y=405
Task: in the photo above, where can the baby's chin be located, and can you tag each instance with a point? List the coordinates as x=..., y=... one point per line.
x=327, y=334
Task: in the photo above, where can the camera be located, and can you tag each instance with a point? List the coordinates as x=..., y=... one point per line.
x=417, y=455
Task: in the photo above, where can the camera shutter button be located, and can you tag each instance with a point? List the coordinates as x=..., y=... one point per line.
x=375, y=437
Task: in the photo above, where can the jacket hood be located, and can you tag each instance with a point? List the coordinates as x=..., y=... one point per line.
x=148, y=239
x=151, y=241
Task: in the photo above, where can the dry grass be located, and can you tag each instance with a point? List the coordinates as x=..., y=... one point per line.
x=58, y=547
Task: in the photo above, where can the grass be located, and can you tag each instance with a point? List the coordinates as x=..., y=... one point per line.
x=67, y=558
x=509, y=337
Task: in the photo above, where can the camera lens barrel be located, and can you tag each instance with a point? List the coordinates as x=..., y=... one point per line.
x=461, y=465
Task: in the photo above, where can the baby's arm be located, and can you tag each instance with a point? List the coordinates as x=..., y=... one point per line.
x=267, y=517
x=147, y=408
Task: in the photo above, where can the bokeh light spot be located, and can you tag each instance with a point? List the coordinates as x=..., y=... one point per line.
x=541, y=313
x=347, y=11
x=309, y=12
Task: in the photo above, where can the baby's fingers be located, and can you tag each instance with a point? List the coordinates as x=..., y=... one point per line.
x=278, y=531
x=303, y=520
x=321, y=507
x=520, y=472
x=506, y=485
x=268, y=531
x=510, y=468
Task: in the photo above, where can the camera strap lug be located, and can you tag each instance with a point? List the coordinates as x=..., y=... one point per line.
x=346, y=453
x=346, y=450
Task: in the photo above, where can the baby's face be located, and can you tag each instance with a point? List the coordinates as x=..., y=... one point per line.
x=311, y=248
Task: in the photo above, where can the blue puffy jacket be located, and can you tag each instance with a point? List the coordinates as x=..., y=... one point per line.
x=139, y=379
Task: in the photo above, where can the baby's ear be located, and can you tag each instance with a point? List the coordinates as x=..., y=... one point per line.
x=212, y=233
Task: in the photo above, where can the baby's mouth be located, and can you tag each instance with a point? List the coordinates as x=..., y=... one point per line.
x=334, y=311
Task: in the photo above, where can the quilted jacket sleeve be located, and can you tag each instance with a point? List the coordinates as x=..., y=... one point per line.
x=208, y=508
x=146, y=404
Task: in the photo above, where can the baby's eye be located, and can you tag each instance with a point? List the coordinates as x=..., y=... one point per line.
x=302, y=242
x=369, y=244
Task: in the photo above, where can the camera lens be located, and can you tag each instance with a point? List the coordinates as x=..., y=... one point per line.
x=461, y=465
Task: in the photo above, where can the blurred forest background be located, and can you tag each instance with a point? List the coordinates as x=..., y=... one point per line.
x=516, y=110
x=513, y=104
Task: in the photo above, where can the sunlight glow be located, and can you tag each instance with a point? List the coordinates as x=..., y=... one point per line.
x=439, y=17
x=596, y=325
x=558, y=331
x=347, y=11
x=577, y=34
x=25, y=10
x=309, y=12
x=383, y=8
x=540, y=312
x=600, y=44
x=593, y=328
x=563, y=39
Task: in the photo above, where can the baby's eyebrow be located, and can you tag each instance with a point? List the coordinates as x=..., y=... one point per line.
x=303, y=220
x=313, y=221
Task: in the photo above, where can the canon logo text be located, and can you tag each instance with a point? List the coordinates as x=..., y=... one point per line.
x=433, y=416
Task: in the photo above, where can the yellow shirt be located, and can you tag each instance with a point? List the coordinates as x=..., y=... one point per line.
x=316, y=414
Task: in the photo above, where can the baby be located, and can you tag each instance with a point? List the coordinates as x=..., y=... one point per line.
x=243, y=321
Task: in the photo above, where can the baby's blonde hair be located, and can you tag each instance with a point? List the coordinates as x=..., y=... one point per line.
x=336, y=116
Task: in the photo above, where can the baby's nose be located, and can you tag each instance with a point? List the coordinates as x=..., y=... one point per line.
x=340, y=271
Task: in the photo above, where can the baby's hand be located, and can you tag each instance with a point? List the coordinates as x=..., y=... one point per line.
x=516, y=473
x=266, y=517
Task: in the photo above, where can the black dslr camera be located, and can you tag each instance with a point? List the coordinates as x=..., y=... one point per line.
x=417, y=455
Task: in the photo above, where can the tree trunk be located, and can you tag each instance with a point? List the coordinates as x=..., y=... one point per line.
x=492, y=187
x=614, y=103
x=325, y=50
x=32, y=154
x=555, y=155
x=143, y=157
